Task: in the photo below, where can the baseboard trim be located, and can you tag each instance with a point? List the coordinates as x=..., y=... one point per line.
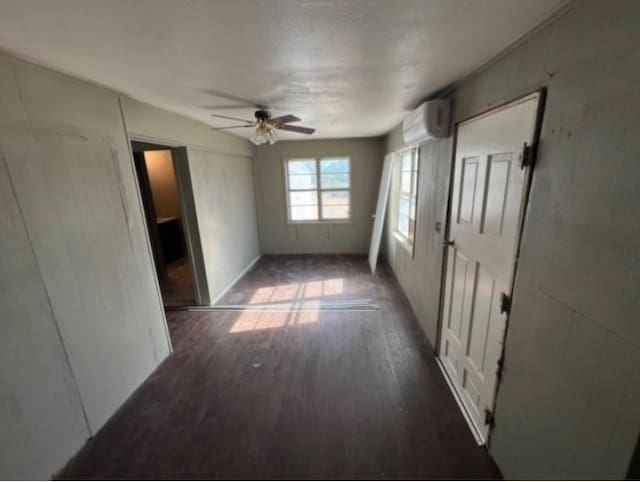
x=235, y=280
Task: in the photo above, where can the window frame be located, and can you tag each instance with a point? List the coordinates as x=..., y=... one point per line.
x=405, y=241
x=318, y=189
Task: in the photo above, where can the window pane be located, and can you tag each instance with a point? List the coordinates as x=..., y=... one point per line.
x=335, y=181
x=330, y=198
x=403, y=225
x=404, y=206
x=303, y=198
x=405, y=181
x=407, y=205
x=302, y=181
x=330, y=166
x=302, y=166
x=407, y=163
x=304, y=213
x=335, y=212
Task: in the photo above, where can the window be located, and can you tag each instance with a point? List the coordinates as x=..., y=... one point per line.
x=408, y=198
x=318, y=189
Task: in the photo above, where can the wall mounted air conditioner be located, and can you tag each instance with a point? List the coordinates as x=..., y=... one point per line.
x=430, y=120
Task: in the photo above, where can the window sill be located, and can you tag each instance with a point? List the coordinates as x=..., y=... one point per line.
x=404, y=242
x=306, y=223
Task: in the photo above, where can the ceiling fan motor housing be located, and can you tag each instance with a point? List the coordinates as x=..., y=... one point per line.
x=263, y=115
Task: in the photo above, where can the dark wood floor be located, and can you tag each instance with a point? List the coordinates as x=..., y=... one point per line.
x=308, y=395
x=177, y=286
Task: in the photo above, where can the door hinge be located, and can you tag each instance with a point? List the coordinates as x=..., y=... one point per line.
x=489, y=418
x=499, y=367
x=505, y=303
x=526, y=156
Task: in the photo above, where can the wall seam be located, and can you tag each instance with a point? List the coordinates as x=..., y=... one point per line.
x=576, y=311
x=255, y=203
x=47, y=294
x=146, y=237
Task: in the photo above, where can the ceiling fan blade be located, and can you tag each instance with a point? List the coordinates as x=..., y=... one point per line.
x=231, y=127
x=300, y=129
x=225, y=107
x=233, y=98
x=285, y=119
x=232, y=118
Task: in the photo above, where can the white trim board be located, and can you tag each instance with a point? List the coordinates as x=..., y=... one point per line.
x=147, y=236
x=235, y=280
x=474, y=430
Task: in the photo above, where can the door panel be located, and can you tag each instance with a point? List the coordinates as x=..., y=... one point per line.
x=487, y=199
x=481, y=319
x=471, y=394
x=461, y=270
x=497, y=190
x=468, y=181
x=458, y=308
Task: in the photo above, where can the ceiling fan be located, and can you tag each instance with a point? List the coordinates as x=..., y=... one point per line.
x=266, y=126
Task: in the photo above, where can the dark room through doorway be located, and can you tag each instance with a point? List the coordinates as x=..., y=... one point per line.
x=161, y=199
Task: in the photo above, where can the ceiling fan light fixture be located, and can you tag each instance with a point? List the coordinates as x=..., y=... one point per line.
x=271, y=135
x=264, y=133
x=258, y=139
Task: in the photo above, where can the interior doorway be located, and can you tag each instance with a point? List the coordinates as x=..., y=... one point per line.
x=491, y=176
x=163, y=207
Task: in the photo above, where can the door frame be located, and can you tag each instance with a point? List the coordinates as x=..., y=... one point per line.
x=188, y=213
x=149, y=212
x=542, y=92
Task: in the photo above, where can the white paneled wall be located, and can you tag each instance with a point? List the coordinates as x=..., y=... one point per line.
x=40, y=409
x=81, y=318
x=226, y=209
x=568, y=403
x=221, y=173
x=66, y=156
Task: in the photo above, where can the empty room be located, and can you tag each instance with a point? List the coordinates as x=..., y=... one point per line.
x=318, y=239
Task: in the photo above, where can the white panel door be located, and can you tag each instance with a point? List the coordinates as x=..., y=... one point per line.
x=381, y=209
x=489, y=192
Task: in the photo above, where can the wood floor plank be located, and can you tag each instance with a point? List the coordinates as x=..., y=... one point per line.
x=292, y=395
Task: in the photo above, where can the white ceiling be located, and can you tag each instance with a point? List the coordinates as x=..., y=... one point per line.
x=349, y=68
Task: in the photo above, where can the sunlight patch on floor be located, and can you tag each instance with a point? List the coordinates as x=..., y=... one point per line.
x=254, y=321
x=298, y=291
